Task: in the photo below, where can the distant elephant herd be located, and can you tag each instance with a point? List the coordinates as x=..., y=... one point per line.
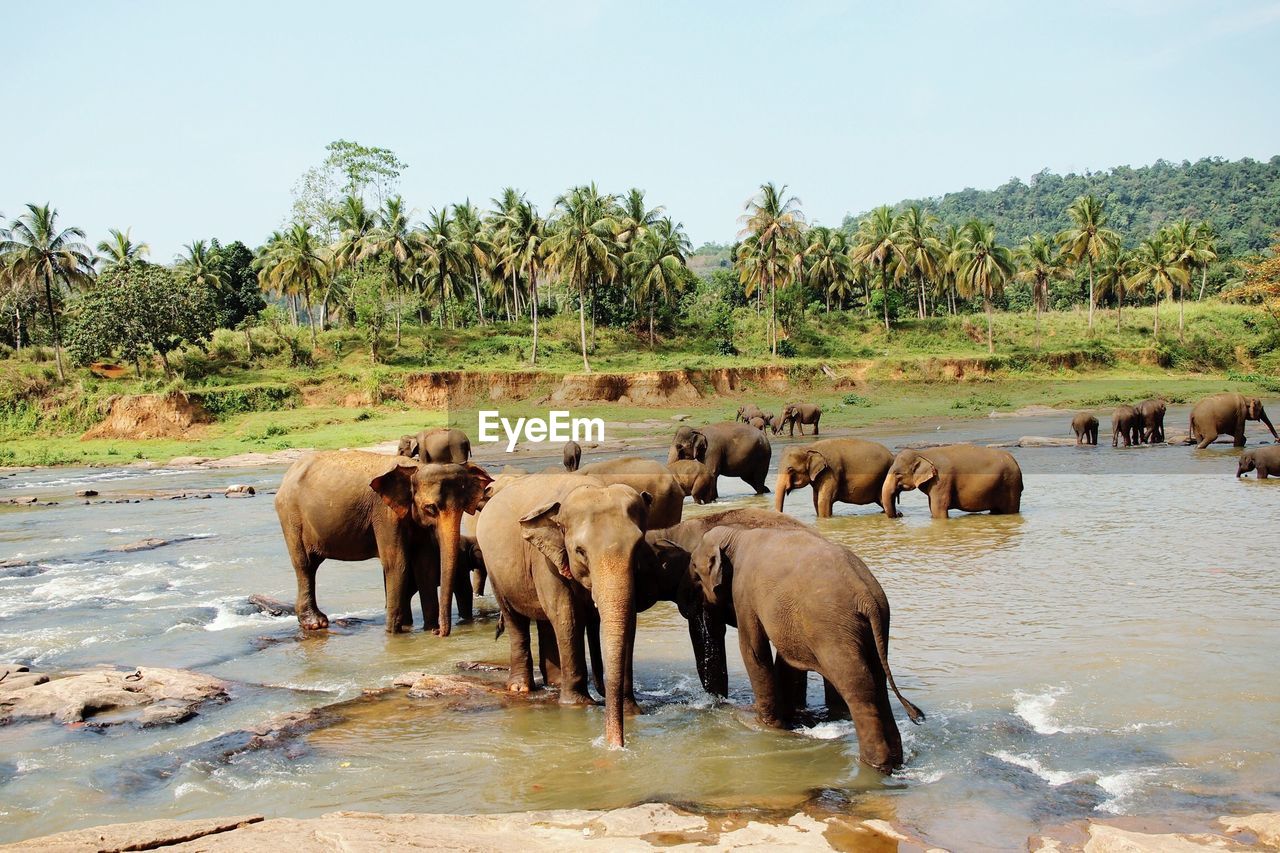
x=577, y=551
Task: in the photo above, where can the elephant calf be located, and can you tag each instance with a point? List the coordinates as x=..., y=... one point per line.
x=1085, y=426
x=1126, y=423
x=572, y=456
x=439, y=444
x=1264, y=460
x=958, y=476
x=848, y=470
x=766, y=583
x=694, y=479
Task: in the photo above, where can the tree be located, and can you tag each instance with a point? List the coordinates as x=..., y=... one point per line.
x=983, y=267
x=295, y=262
x=949, y=242
x=874, y=246
x=1088, y=238
x=523, y=234
x=915, y=235
x=444, y=266
x=1040, y=264
x=471, y=242
x=119, y=249
x=53, y=257
x=581, y=246
x=369, y=305
x=357, y=227
x=635, y=217
x=1261, y=281
x=656, y=264
x=137, y=310
x=349, y=169
x=1191, y=252
x=1114, y=271
x=772, y=226
x=825, y=264
x=393, y=240
x=1155, y=266
x=1208, y=240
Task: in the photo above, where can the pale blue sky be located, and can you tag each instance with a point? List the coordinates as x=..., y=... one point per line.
x=188, y=120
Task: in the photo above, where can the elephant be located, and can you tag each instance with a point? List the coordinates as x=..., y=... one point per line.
x=1151, y=412
x=747, y=411
x=694, y=479
x=759, y=423
x=957, y=476
x=471, y=576
x=848, y=470
x=727, y=449
x=1225, y=414
x=1085, y=426
x=439, y=444
x=765, y=583
x=799, y=413
x=644, y=475
x=1126, y=423
x=1264, y=460
x=563, y=549
x=572, y=456
x=352, y=505
x=770, y=422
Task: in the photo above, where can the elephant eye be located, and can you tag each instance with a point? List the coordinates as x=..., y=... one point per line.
x=580, y=551
x=430, y=510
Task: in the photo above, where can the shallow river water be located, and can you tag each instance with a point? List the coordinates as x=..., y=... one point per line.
x=1112, y=650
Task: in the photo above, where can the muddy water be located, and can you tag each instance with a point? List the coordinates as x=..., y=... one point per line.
x=1110, y=651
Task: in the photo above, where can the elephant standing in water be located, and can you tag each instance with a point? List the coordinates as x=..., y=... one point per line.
x=848, y=470
x=1264, y=460
x=694, y=479
x=1126, y=423
x=728, y=449
x=572, y=456
x=799, y=413
x=439, y=444
x=1151, y=412
x=1085, y=426
x=958, y=476
x=644, y=475
x=767, y=583
x=559, y=546
x=351, y=505
x=1225, y=414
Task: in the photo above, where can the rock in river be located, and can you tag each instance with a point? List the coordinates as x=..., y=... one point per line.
x=148, y=696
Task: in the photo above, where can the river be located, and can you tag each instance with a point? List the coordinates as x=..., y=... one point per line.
x=1111, y=650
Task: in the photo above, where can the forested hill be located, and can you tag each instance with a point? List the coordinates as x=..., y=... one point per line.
x=1241, y=198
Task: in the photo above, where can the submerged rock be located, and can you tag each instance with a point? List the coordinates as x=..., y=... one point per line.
x=105, y=697
x=271, y=606
x=147, y=544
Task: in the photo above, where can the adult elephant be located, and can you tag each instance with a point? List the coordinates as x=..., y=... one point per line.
x=1225, y=414
x=556, y=545
x=848, y=470
x=764, y=583
x=438, y=444
x=352, y=505
x=694, y=479
x=1085, y=426
x=1151, y=412
x=727, y=449
x=644, y=475
x=1126, y=424
x=799, y=413
x=1264, y=460
x=957, y=476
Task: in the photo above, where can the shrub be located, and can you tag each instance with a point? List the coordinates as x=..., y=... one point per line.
x=856, y=400
x=224, y=402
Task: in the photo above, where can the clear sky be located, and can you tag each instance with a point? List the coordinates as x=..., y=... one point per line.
x=193, y=120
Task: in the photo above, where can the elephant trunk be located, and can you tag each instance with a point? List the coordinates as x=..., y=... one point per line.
x=706, y=633
x=781, y=489
x=1262, y=416
x=888, y=494
x=673, y=455
x=614, y=599
x=448, y=533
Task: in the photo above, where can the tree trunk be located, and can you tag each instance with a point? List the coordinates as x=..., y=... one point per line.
x=1204, y=279
x=582, y=316
x=311, y=321
x=1181, y=303
x=53, y=324
x=533, y=306
x=884, y=294
x=475, y=283
x=248, y=341
x=991, y=346
x=651, y=324
x=1155, y=332
x=1091, y=301
x=773, y=316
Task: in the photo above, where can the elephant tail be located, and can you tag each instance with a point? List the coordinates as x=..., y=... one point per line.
x=880, y=633
x=502, y=626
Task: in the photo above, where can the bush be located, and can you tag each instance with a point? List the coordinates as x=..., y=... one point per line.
x=786, y=348
x=224, y=402
x=856, y=400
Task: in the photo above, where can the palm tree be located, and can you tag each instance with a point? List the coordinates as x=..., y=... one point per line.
x=522, y=235
x=295, y=262
x=42, y=253
x=357, y=226
x=915, y=235
x=197, y=264
x=119, y=249
x=656, y=264
x=824, y=263
x=393, y=239
x=1191, y=253
x=1088, y=238
x=581, y=245
x=634, y=217
x=983, y=267
x=950, y=242
x=1114, y=271
x=1040, y=264
x=1208, y=240
x=772, y=225
x=876, y=248
x=472, y=242
x=1155, y=265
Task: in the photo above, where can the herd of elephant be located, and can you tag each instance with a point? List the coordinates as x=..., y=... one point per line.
x=577, y=551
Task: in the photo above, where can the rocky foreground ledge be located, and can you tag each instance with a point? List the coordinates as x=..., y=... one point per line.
x=646, y=827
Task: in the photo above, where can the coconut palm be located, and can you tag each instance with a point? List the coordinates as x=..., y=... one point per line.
x=1207, y=237
x=472, y=242
x=772, y=226
x=1114, y=270
x=393, y=240
x=1155, y=265
x=118, y=249
x=1088, y=238
x=824, y=263
x=295, y=262
x=523, y=233
x=983, y=266
x=196, y=263
x=1039, y=265
x=915, y=235
x=635, y=217
x=47, y=256
x=581, y=246
x=443, y=266
x=875, y=247
x=656, y=264
x=1191, y=253
x=949, y=242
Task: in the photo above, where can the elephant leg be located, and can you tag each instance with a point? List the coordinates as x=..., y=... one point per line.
x=394, y=577
x=879, y=742
x=629, y=703
x=837, y=708
x=573, y=663
x=478, y=579
x=1239, y=436
x=593, y=648
x=939, y=505
x=463, y=596
x=758, y=659
x=305, y=565
x=824, y=497
x=815, y=427
x=548, y=654
x=793, y=689
x=425, y=563
x=520, y=677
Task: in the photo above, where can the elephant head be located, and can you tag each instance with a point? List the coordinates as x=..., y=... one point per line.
x=435, y=497
x=909, y=471
x=799, y=468
x=1246, y=464
x=1253, y=411
x=712, y=571
x=408, y=446
x=689, y=443
x=667, y=578
x=594, y=537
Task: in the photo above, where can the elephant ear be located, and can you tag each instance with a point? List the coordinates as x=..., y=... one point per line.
x=718, y=567
x=700, y=447
x=922, y=472
x=481, y=494
x=395, y=487
x=817, y=464
x=541, y=529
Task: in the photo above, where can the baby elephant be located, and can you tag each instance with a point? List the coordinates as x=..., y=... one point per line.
x=572, y=456
x=1264, y=460
x=822, y=610
x=1085, y=426
x=694, y=479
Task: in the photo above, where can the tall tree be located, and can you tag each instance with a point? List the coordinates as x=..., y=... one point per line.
x=1191, y=253
x=472, y=242
x=581, y=246
x=984, y=267
x=1207, y=236
x=1155, y=266
x=295, y=262
x=55, y=258
x=825, y=263
x=772, y=227
x=1039, y=265
x=119, y=248
x=915, y=234
x=393, y=240
x=656, y=264
x=357, y=228
x=1114, y=271
x=523, y=236
x=875, y=247
x=1088, y=238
